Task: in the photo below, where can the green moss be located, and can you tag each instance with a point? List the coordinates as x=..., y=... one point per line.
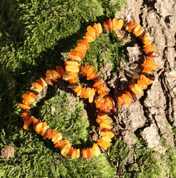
x=137, y=161
x=39, y=159
x=106, y=48
x=72, y=124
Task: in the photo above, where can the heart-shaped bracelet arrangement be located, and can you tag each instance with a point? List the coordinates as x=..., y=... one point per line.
x=99, y=93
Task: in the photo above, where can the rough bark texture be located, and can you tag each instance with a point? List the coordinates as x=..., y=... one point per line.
x=153, y=115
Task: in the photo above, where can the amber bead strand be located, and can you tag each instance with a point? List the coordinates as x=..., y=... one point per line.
x=43, y=129
x=103, y=102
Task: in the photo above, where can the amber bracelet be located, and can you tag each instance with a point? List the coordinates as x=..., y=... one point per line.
x=99, y=93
